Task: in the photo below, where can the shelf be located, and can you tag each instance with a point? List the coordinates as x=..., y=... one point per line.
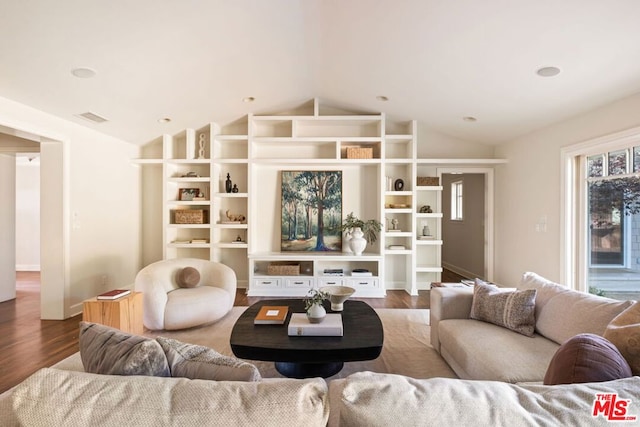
x=189, y=245
x=229, y=226
x=189, y=203
x=190, y=179
x=229, y=161
x=398, y=251
x=429, y=188
x=389, y=234
x=429, y=242
x=323, y=256
x=231, y=195
x=428, y=269
x=188, y=161
x=429, y=215
x=231, y=245
x=189, y=226
x=398, y=210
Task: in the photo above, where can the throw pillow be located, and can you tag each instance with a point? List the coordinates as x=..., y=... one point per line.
x=198, y=362
x=514, y=310
x=586, y=358
x=624, y=332
x=188, y=277
x=110, y=351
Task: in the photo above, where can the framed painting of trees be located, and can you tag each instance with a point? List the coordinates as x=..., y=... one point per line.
x=311, y=211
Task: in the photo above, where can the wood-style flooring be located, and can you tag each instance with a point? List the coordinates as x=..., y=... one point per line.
x=28, y=343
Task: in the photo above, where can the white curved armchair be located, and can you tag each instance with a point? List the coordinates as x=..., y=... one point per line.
x=168, y=306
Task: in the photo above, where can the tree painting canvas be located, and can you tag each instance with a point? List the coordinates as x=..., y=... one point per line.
x=311, y=211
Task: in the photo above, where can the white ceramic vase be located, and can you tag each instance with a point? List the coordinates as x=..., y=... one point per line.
x=316, y=313
x=357, y=242
x=346, y=247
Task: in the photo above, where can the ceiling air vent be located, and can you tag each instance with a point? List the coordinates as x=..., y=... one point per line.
x=92, y=117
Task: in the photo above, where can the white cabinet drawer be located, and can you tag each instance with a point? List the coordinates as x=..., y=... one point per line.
x=267, y=282
x=298, y=283
x=363, y=283
x=330, y=281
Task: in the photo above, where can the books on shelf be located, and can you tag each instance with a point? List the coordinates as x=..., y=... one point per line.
x=199, y=240
x=361, y=272
x=331, y=326
x=271, y=315
x=114, y=294
x=397, y=247
x=333, y=272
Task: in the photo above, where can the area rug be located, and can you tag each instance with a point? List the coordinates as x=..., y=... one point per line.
x=406, y=351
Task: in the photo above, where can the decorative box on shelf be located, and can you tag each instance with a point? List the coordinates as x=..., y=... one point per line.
x=283, y=268
x=428, y=181
x=359, y=153
x=191, y=216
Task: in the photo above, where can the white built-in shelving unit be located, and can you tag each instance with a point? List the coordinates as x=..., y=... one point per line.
x=314, y=137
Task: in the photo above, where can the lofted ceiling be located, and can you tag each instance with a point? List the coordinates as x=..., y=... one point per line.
x=436, y=61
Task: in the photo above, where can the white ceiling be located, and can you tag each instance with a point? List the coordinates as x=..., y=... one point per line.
x=436, y=60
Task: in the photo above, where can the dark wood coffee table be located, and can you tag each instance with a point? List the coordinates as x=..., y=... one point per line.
x=306, y=357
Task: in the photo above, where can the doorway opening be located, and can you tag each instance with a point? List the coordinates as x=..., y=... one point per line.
x=467, y=221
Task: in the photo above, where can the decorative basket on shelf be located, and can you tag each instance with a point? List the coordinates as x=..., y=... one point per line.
x=191, y=216
x=283, y=268
x=428, y=181
x=359, y=153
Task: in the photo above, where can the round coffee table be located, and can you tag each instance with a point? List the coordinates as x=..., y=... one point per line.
x=305, y=356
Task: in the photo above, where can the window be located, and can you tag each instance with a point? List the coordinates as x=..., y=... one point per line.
x=456, y=201
x=606, y=218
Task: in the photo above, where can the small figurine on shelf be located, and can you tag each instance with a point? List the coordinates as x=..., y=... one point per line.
x=235, y=188
x=238, y=239
x=227, y=183
x=426, y=209
x=201, y=142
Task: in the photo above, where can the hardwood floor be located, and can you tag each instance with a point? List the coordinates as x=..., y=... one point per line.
x=28, y=343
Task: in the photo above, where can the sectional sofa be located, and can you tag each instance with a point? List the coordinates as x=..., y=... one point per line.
x=65, y=395
x=480, y=350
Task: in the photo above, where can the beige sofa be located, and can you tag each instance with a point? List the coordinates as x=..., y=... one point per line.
x=483, y=351
x=58, y=397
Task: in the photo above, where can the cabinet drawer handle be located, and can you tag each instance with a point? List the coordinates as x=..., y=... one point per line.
x=298, y=283
x=363, y=283
x=266, y=283
x=331, y=283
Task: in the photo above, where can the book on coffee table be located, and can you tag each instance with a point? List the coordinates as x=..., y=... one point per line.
x=271, y=315
x=331, y=326
x=114, y=294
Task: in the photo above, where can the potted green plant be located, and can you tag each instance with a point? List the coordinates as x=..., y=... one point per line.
x=359, y=232
x=313, y=305
x=369, y=228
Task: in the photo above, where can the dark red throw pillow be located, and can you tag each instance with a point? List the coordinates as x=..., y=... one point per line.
x=586, y=358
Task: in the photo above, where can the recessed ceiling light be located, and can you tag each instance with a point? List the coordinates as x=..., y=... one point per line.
x=248, y=99
x=164, y=120
x=548, y=71
x=469, y=119
x=83, y=72
x=382, y=98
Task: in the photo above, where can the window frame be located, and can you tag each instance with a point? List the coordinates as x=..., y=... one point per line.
x=573, y=236
x=457, y=200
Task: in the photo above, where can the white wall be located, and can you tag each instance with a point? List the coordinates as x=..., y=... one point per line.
x=7, y=230
x=101, y=212
x=528, y=189
x=435, y=145
x=27, y=214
